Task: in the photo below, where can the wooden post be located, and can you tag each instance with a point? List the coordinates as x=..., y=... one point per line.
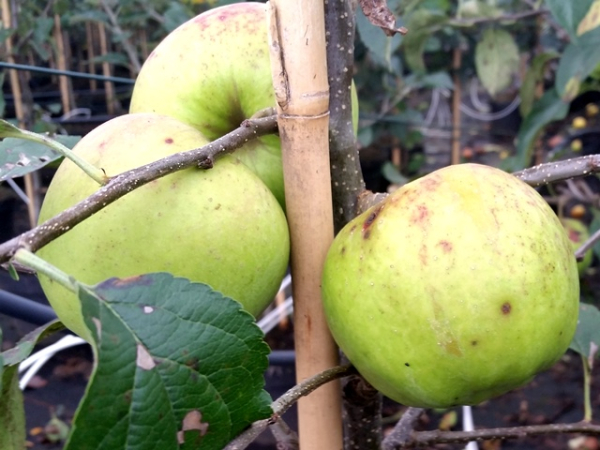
x=61, y=63
x=91, y=54
x=456, y=131
x=109, y=86
x=15, y=83
x=299, y=68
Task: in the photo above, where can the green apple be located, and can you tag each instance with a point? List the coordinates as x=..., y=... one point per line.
x=458, y=287
x=222, y=226
x=213, y=72
x=578, y=233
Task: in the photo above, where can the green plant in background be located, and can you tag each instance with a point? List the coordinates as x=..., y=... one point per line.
x=556, y=39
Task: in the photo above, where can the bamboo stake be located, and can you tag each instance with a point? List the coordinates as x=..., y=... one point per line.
x=109, y=87
x=143, y=43
x=91, y=54
x=456, y=64
x=32, y=205
x=299, y=68
x=61, y=63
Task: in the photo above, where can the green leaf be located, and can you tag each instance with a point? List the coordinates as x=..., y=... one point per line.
x=17, y=354
x=111, y=58
x=366, y=136
x=546, y=110
x=12, y=414
x=591, y=20
x=171, y=355
x=534, y=75
x=595, y=226
x=175, y=15
x=12, y=411
x=569, y=14
x=392, y=174
x=588, y=330
x=477, y=9
x=12, y=272
x=576, y=64
x=87, y=16
x=430, y=80
x=2, y=100
x=422, y=24
x=496, y=59
x=19, y=156
x=379, y=45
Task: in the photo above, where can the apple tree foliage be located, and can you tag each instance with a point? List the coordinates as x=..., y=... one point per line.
x=492, y=37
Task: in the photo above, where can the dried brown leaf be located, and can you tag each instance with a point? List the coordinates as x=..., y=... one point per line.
x=380, y=15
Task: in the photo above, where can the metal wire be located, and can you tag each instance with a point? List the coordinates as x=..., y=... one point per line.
x=68, y=73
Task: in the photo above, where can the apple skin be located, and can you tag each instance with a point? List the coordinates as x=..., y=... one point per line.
x=458, y=287
x=578, y=233
x=213, y=72
x=222, y=226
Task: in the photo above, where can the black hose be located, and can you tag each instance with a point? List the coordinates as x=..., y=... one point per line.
x=22, y=308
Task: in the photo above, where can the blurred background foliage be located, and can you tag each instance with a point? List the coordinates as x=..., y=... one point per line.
x=510, y=83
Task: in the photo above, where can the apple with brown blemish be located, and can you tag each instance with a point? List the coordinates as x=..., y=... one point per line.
x=456, y=288
x=222, y=226
x=213, y=72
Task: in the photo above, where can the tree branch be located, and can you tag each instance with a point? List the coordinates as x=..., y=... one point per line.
x=125, y=42
x=401, y=434
x=362, y=414
x=560, y=170
x=587, y=245
x=346, y=174
x=283, y=403
x=428, y=438
x=126, y=182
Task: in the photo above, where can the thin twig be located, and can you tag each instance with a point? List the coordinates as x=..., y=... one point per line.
x=560, y=170
x=127, y=181
x=283, y=403
x=587, y=245
x=346, y=174
x=123, y=39
x=401, y=434
x=428, y=438
x=287, y=439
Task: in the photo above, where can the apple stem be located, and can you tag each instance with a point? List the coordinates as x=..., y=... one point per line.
x=587, y=404
x=41, y=266
x=92, y=171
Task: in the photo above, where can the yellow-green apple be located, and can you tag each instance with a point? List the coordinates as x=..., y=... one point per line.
x=213, y=72
x=458, y=287
x=222, y=226
x=578, y=233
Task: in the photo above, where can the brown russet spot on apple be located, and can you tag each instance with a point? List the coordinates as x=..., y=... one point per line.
x=506, y=308
x=420, y=214
x=366, y=228
x=452, y=347
x=423, y=254
x=430, y=184
x=169, y=140
x=446, y=246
